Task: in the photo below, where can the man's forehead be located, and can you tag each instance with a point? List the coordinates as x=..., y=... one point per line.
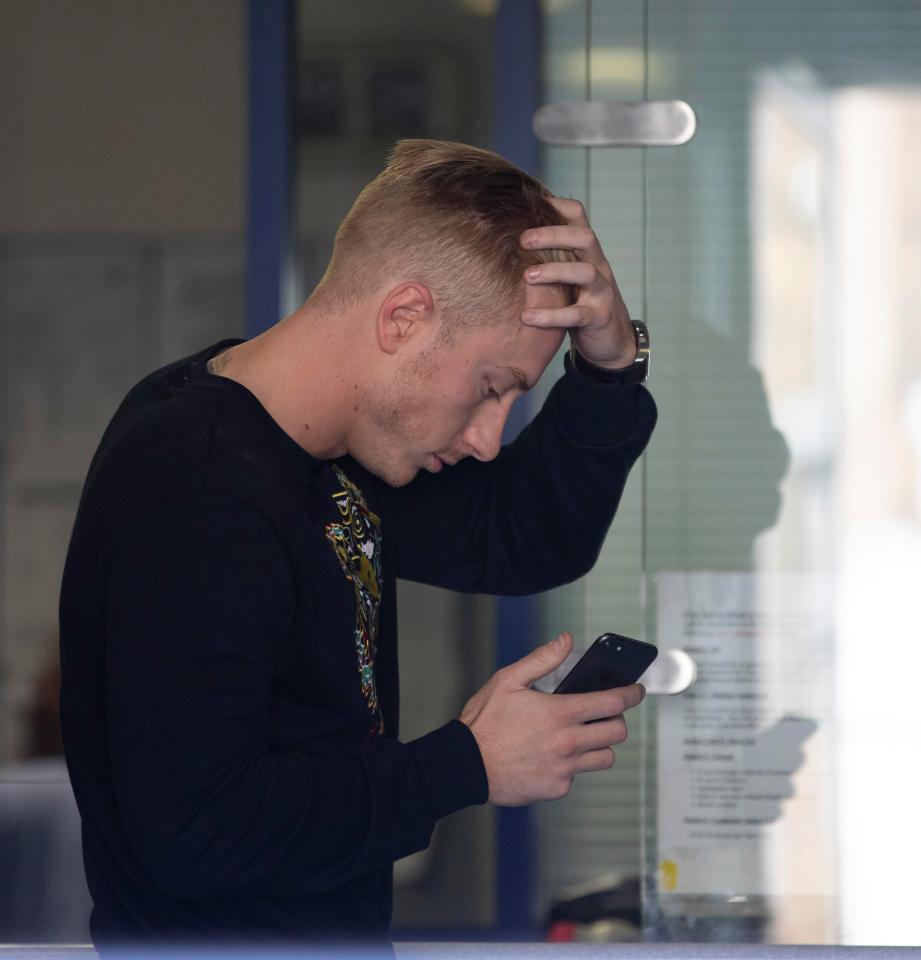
x=523, y=352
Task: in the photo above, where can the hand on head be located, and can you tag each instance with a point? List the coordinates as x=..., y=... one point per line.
x=598, y=322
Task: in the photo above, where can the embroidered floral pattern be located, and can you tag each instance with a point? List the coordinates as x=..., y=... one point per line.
x=356, y=538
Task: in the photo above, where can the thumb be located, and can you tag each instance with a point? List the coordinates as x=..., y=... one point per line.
x=538, y=663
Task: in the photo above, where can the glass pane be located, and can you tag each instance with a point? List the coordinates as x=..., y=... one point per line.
x=783, y=515
x=590, y=842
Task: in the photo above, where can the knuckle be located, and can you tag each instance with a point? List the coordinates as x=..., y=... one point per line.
x=566, y=744
x=566, y=714
x=617, y=704
x=563, y=786
x=557, y=782
x=500, y=677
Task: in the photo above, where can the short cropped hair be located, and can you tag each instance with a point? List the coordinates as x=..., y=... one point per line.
x=450, y=216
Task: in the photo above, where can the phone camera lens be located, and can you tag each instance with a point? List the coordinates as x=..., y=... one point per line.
x=618, y=649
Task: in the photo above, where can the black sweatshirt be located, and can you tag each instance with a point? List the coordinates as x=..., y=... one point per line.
x=229, y=659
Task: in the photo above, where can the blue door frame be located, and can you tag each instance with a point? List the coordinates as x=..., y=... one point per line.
x=516, y=96
x=270, y=156
x=269, y=280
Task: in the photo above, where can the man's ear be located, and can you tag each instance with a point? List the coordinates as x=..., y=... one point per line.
x=407, y=312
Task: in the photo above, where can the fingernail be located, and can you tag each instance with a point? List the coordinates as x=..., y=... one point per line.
x=528, y=317
x=533, y=273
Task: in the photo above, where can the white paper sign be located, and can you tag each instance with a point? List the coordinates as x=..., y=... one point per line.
x=743, y=758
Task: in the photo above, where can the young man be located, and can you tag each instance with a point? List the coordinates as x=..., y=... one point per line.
x=228, y=622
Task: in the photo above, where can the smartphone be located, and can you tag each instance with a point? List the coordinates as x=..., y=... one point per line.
x=611, y=661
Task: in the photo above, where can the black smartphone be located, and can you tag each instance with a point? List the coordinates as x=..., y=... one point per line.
x=611, y=661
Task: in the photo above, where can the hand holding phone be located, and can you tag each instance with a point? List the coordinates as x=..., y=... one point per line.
x=533, y=744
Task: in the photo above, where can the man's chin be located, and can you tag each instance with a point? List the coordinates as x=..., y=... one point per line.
x=433, y=464
x=393, y=477
x=399, y=481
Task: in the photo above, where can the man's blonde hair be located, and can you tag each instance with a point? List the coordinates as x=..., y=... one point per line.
x=447, y=215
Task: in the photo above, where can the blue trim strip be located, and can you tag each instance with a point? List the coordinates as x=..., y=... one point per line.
x=271, y=167
x=516, y=96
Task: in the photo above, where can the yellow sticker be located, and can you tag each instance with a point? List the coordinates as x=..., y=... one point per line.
x=668, y=872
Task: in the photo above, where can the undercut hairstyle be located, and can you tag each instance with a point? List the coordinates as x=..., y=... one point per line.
x=449, y=216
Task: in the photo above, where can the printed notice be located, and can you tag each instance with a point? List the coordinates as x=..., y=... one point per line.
x=744, y=754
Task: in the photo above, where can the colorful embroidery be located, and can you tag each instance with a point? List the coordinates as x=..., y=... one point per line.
x=356, y=538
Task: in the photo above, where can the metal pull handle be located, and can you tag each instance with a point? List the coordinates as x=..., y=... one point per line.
x=673, y=671
x=611, y=123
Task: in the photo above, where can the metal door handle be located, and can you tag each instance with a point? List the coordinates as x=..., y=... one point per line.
x=673, y=671
x=614, y=123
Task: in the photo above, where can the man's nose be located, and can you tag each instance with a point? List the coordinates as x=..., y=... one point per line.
x=483, y=435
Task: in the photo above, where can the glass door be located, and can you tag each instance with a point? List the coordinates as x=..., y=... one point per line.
x=589, y=842
x=774, y=533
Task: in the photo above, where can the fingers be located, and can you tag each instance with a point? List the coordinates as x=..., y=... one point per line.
x=571, y=317
x=584, y=707
x=572, y=210
x=599, y=314
x=576, y=236
x=538, y=663
x=581, y=240
x=597, y=736
x=569, y=273
x=602, y=759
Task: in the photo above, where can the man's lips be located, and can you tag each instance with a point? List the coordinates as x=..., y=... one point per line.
x=438, y=461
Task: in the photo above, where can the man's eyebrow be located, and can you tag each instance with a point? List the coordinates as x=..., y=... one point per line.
x=520, y=378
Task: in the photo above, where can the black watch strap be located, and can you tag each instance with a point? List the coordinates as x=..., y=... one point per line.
x=637, y=372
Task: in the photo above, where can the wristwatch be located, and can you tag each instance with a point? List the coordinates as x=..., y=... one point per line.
x=637, y=372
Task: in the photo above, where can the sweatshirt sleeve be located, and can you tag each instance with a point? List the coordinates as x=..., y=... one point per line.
x=536, y=516
x=199, y=601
